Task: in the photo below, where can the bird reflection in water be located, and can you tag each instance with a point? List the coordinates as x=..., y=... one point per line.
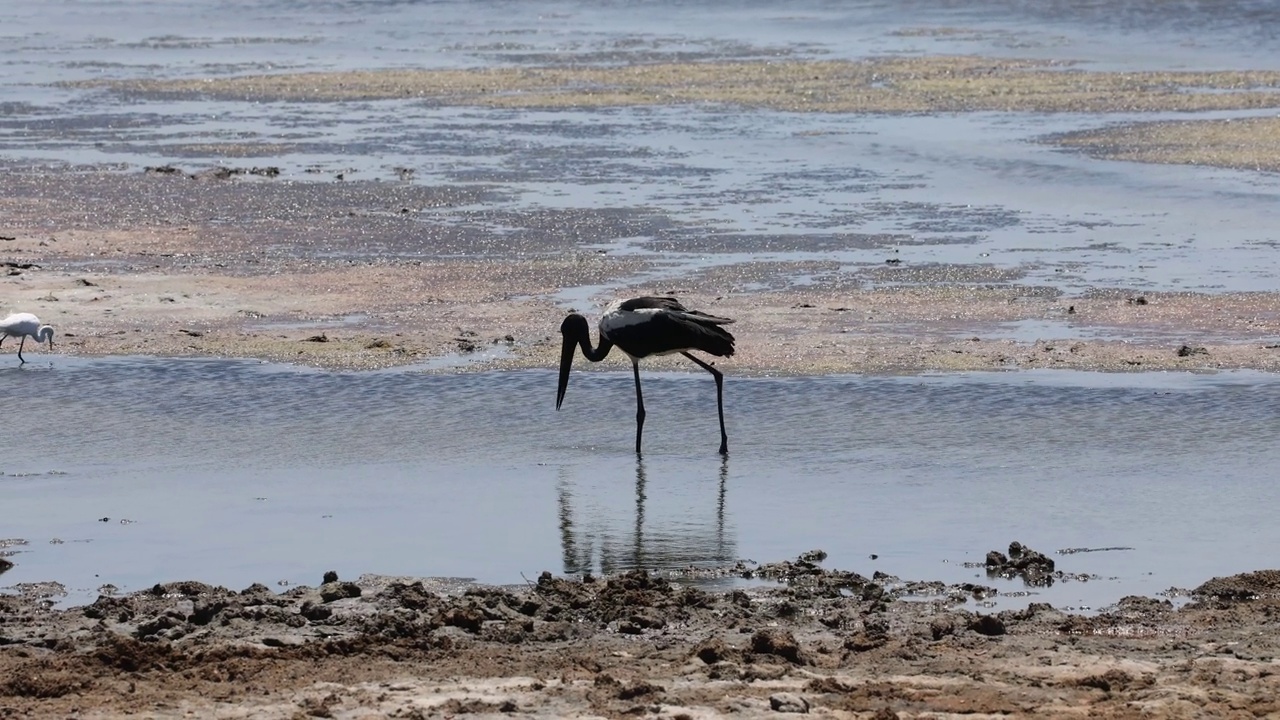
x=592, y=543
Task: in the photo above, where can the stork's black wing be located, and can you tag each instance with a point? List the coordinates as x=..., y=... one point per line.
x=663, y=325
x=652, y=303
x=673, y=305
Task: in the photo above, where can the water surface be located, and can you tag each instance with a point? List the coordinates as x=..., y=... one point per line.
x=134, y=471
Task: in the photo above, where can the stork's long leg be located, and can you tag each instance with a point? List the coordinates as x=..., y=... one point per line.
x=724, y=437
x=635, y=366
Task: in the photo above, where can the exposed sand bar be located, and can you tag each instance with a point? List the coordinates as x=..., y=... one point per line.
x=928, y=84
x=889, y=85
x=1242, y=144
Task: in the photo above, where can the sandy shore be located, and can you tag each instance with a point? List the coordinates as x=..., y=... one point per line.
x=155, y=278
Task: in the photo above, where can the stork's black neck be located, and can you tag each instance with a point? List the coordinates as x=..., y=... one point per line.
x=576, y=330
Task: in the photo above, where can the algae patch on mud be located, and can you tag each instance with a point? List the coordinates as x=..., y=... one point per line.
x=878, y=85
x=1242, y=144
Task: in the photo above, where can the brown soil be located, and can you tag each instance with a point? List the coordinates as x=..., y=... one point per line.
x=832, y=643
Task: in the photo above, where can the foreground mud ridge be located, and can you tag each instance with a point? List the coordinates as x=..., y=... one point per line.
x=805, y=640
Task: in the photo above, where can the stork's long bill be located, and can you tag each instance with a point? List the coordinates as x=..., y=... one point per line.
x=566, y=363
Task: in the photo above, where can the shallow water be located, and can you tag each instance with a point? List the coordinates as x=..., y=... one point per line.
x=134, y=471
x=725, y=185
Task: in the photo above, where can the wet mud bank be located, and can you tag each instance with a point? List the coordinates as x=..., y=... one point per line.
x=827, y=642
x=368, y=274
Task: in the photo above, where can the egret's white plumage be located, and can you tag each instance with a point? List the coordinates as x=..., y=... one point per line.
x=23, y=325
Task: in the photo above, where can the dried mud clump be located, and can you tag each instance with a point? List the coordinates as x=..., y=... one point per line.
x=634, y=602
x=1033, y=567
x=1246, y=587
x=807, y=580
x=778, y=642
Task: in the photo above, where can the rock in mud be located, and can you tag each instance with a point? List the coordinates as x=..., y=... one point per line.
x=788, y=703
x=813, y=557
x=315, y=612
x=714, y=650
x=339, y=590
x=942, y=626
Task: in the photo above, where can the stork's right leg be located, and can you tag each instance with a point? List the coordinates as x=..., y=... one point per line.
x=719, y=376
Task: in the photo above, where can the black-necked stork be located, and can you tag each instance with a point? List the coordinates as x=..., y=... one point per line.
x=646, y=326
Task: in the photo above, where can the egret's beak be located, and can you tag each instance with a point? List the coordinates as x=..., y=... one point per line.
x=566, y=363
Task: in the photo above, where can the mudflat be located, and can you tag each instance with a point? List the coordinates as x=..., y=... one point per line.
x=131, y=263
x=829, y=643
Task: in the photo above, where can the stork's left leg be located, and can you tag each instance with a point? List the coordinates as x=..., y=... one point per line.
x=635, y=366
x=724, y=437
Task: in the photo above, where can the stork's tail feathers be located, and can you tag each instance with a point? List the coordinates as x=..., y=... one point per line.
x=713, y=339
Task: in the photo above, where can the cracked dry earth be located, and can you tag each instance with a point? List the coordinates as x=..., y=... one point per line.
x=823, y=642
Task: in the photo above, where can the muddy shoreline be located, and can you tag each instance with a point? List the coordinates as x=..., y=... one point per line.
x=811, y=640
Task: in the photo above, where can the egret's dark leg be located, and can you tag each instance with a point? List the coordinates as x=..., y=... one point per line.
x=635, y=366
x=724, y=437
x=21, y=342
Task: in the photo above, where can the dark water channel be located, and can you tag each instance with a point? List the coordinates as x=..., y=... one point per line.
x=132, y=471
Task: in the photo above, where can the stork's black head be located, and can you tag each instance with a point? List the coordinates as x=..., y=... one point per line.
x=575, y=330
x=574, y=326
